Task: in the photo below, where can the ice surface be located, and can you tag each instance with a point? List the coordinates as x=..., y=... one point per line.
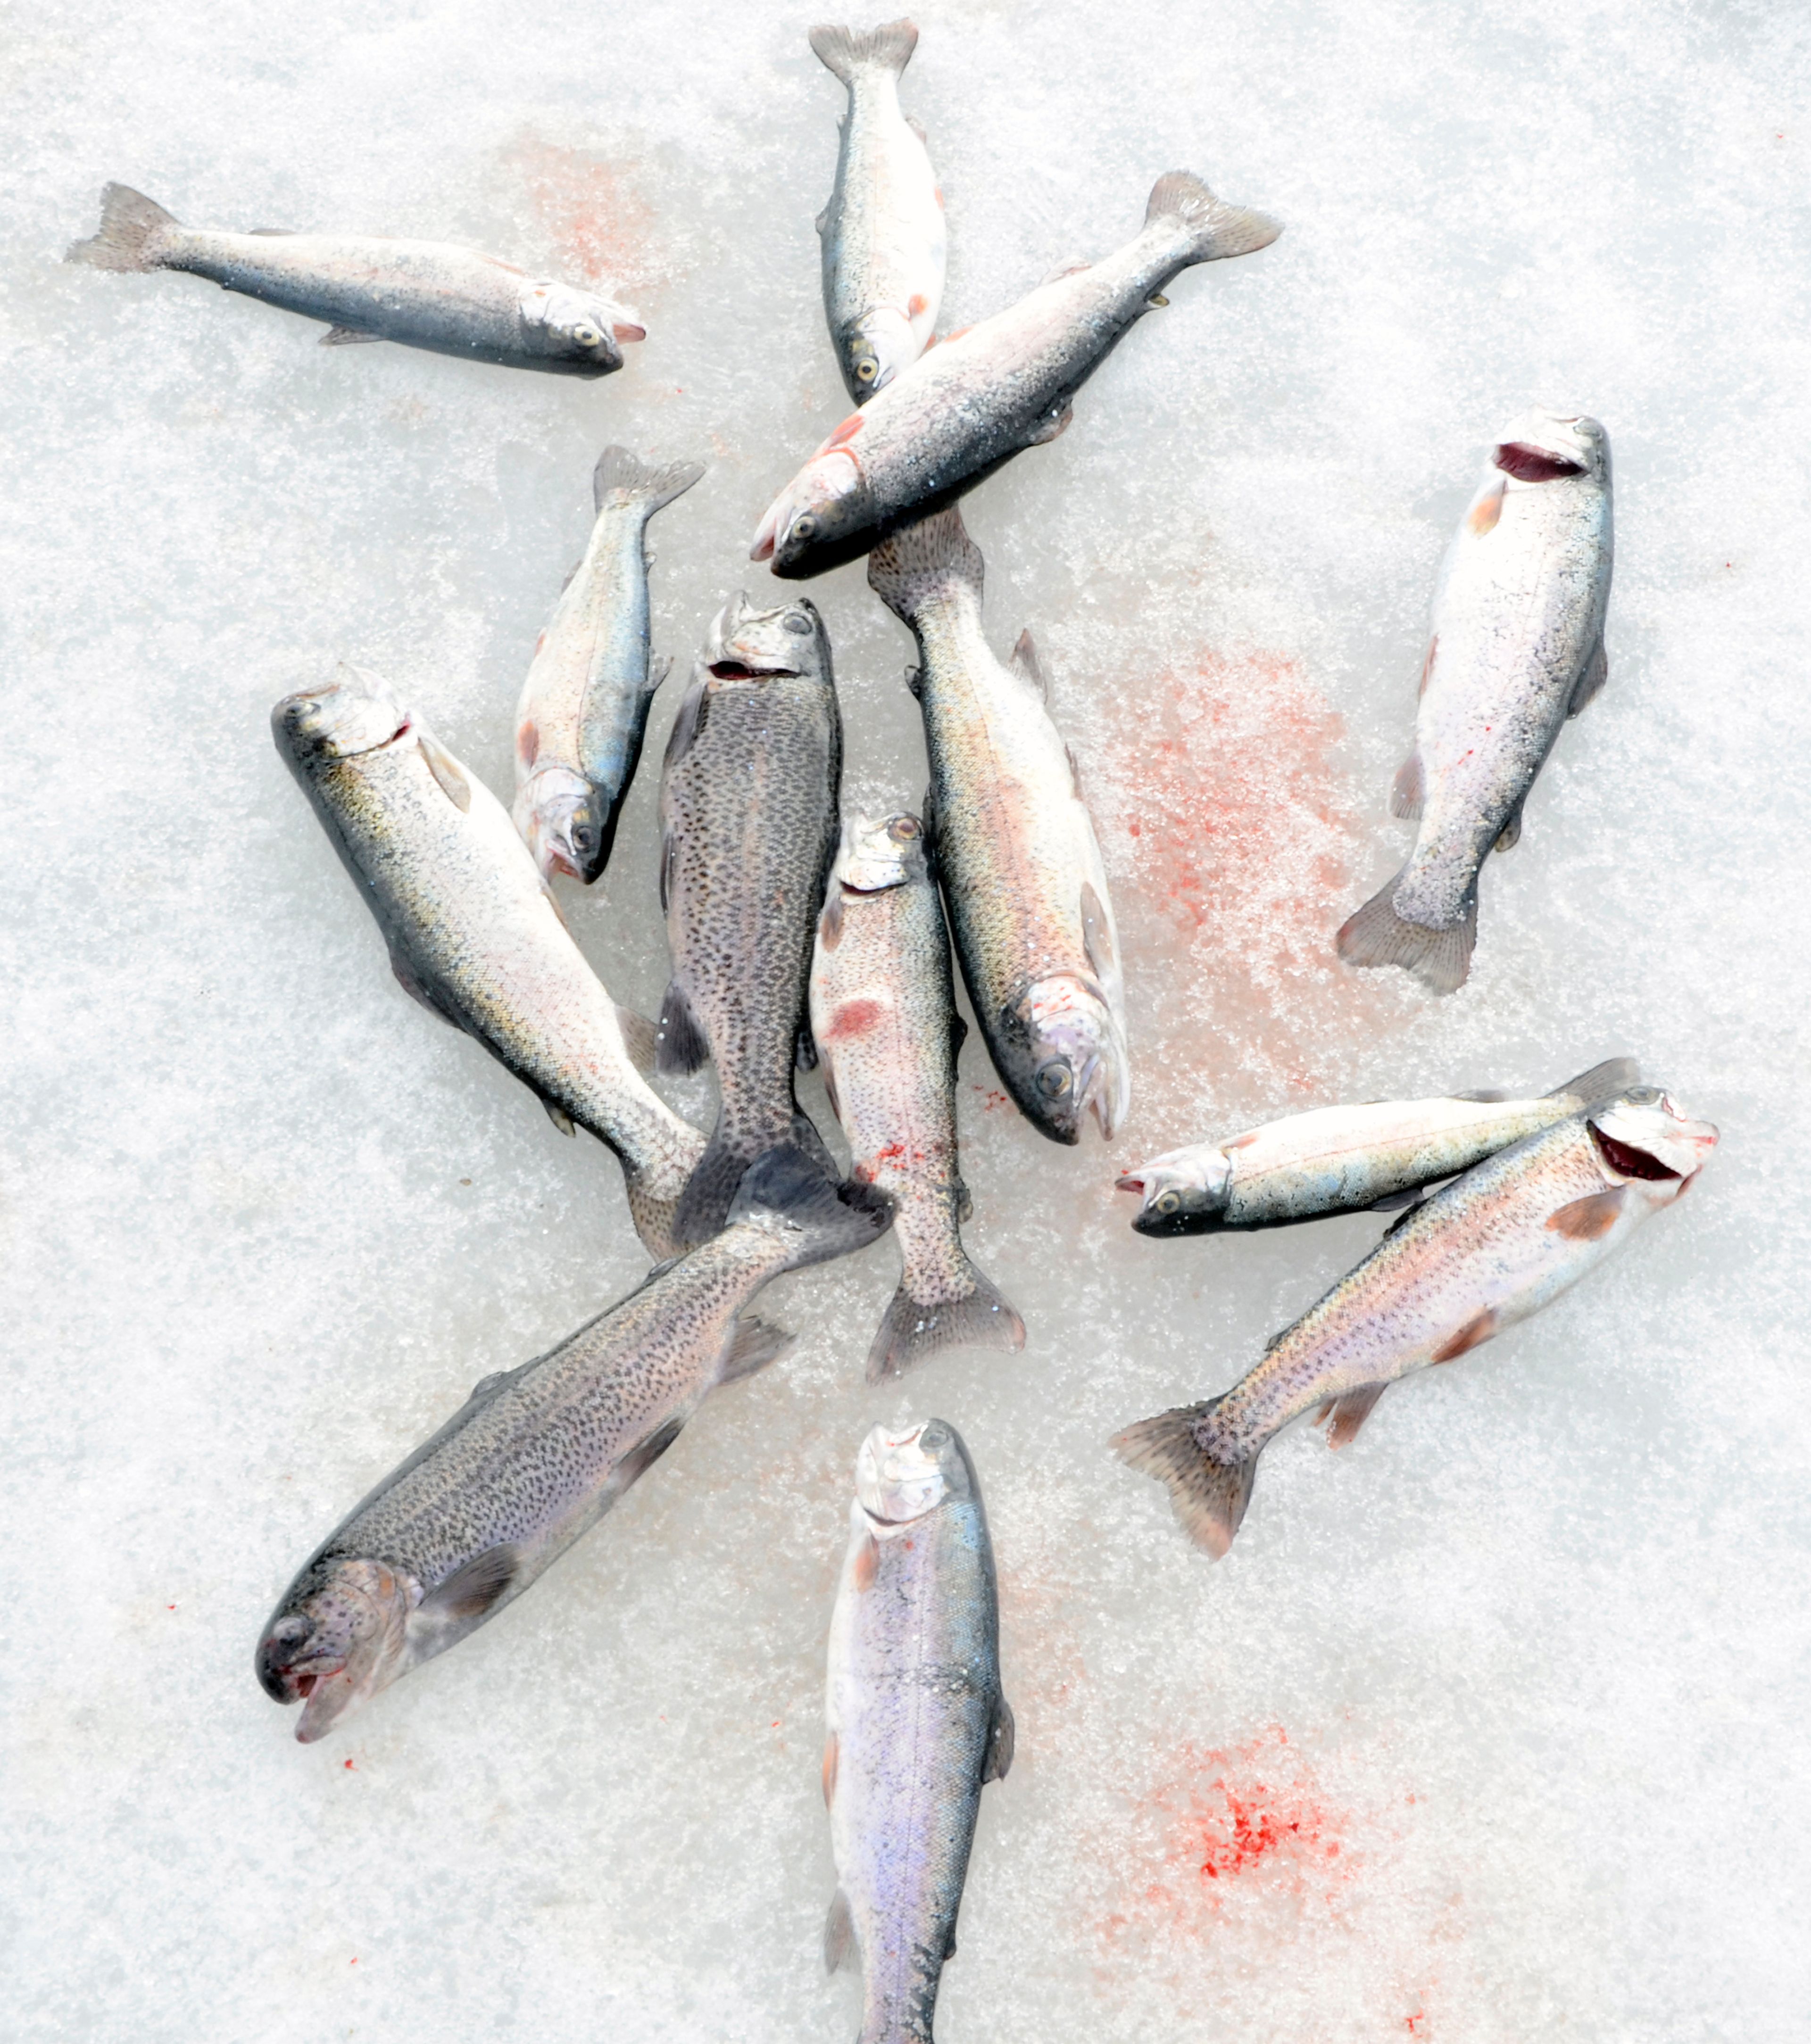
x=1492, y=1726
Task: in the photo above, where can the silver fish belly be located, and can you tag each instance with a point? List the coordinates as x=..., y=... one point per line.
x=1346, y=1159
x=748, y=796
x=583, y=707
x=474, y=935
x=1490, y=1249
x=428, y=294
x=538, y=1455
x=883, y=1017
x=1517, y=649
x=915, y=1718
x=882, y=232
x=1021, y=870
x=985, y=394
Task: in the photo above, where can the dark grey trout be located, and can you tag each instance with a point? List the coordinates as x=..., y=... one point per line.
x=748, y=817
x=915, y=1720
x=583, y=709
x=474, y=935
x=536, y=1456
x=367, y=287
x=986, y=393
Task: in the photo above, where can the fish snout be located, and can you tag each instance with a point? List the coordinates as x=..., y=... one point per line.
x=288, y=1661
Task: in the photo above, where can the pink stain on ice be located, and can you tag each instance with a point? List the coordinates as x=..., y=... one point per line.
x=591, y=209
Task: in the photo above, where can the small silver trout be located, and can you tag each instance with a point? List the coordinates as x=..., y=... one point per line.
x=473, y=933
x=991, y=390
x=749, y=799
x=423, y=293
x=583, y=709
x=883, y=1015
x=1347, y=1159
x=915, y=1718
x=536, y=1456
x=1517, y=648
x=1014, y=845
x=882, y=232
x=1488, y=1250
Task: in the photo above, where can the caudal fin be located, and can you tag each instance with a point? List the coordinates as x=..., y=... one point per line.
x=133, y=234
x=1378, y=935
x=788, y=1188
x=1209, y=1496
x=923, y=560
x=1603, y=1081
x=913, y=1331
x=1215, y=228
x=847, y=51
x=621, y=477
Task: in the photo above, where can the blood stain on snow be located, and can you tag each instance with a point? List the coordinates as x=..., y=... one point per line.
x=591, y=210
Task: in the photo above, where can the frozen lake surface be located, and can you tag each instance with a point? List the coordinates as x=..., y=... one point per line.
x=1491, y=1728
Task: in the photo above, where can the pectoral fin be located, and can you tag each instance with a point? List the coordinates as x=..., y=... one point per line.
x=1000, y=1735
x=446, y=770
x=1591, y=677
x=475, y=1586
x=1050, y=428
x=1025, y=664
x=838, y=1932
x=340, y=336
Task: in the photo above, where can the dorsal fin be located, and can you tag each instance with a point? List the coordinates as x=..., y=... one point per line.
x=1024, y=663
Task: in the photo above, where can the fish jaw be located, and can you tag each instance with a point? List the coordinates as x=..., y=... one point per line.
x=1184, y=1192
x=556, y=811
x=901, y=1477
x=1542, y=447
x=351, y=714
x=1067, y=1055
x=338, y=1642
x=747, y=644
x=817, y=517
x=1643, y=1136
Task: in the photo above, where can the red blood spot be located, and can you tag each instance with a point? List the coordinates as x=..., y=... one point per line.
x=346, y=1764
x=852, y=1018
x=169, y=1607
x=1410, y=2022
x=774, y=1726
x=891, y=1153
x=915, y=304
x=355, y=1962
x=990, y=1098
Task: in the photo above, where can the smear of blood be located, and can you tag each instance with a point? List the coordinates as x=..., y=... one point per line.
x=591, y=210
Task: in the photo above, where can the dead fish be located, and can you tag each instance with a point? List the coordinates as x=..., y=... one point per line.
x=1015, y=848
x=748, y=817
x=584, y=706
x=1517, y=648
x=368, y=287
x=475, y=935
x=1346, y=1159
x=916, y=1721
x=882, y=232
x=538, y=1455
x=981, y=396
x=883, y=1016
x=1486, y=1251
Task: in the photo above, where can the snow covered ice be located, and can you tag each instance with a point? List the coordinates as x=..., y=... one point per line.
x=1492, y=1726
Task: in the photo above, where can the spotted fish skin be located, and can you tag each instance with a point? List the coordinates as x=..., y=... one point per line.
x=882, y=232
x=427, y=294
x=1517, y=649
x=916, y=1719
x=749, y=811
x=474, y=935
x=1021, y=871
x=538, y=1455
x=1482, y=1254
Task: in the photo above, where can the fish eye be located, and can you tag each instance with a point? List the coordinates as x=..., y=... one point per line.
x=796, y=620
x=1054, y=1079
x=586, y=336
x=1169, y=1203
x=866, y=369
x=905, y=828
x=1644, y=1095
x=805, y=527
x=935, y=1436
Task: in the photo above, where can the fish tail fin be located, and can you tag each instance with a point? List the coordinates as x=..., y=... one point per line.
x=134, y=234
x=625, y=478
x=710, y=1192
x=1613, y=1076
x=913, y=1331
x=1209, y=1496
x=847, y=51
x=1215, y=228
x=924, y=559
x=788, y=1188
x=1376, y=935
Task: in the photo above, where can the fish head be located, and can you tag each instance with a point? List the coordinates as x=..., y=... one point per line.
x=1184, y=1192
x=879, y=345
x=562, y=818
x=749, y=645
x=816, y=519
x=1546, y=447
x=901, y=1477
x=341, y=1635
x=876, y=856
x=1062, y=1052
x=582, y=328
x=354, y=713
x=1643, y=1137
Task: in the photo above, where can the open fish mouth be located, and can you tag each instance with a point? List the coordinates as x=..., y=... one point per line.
x=345, y=720
x=1643, y=1135
x=1529, y=463
x=899, y=1477
x=744, y=671
x=1627, y=1162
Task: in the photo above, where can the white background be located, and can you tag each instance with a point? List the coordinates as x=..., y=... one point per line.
x=1490, y=1728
